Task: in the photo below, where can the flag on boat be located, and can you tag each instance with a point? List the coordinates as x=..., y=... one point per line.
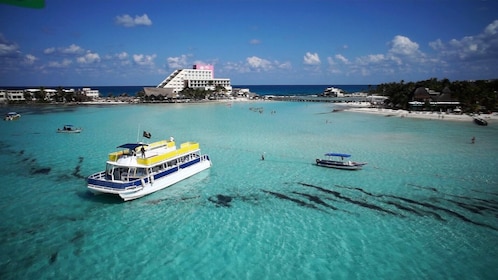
x=147, y=134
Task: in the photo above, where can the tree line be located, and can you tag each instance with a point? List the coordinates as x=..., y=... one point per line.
x=474, y=96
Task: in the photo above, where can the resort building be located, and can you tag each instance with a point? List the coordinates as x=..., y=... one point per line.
x=39, y=94
x=333, y=92
x=3, y=96
x=199, y=77
x=425, y=98
x=93, y=93
x=15, y=95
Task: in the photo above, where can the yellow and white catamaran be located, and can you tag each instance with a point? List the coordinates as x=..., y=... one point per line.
x=138, y=169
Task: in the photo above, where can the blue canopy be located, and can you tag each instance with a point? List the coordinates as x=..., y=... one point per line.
x=132, y=146
x=337, y=155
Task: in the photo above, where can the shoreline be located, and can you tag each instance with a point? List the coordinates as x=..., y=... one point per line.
x=442, y=116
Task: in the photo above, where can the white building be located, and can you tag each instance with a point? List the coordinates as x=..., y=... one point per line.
x=333, y=92
x=3, y=96
x=15, y=95
x=200, y=76
x=94, y=93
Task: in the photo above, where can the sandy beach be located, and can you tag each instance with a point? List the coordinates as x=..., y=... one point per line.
x=362, y=108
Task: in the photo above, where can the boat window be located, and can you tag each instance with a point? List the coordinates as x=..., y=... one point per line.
x=117, y=173
x=140, y=172
x=108, y=171
x=172, y=163
x=124, y=173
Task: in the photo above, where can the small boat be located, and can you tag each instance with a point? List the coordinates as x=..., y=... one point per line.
x=139, y=169
x=68, y=128
x=333, y=161
x=10, y=116
x=480, y=121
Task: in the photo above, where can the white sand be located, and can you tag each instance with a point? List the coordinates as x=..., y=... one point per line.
x=421, y=115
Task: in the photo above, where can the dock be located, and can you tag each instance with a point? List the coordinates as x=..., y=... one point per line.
x=316, y=98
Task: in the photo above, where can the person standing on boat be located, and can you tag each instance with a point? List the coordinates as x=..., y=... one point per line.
x=143, y=151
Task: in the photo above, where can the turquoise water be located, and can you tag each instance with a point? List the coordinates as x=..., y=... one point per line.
x=425, y=206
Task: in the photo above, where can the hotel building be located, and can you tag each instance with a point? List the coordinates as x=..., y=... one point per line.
x=200, y=76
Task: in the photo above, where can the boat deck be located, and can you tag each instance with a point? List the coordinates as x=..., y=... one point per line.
x=153, y=153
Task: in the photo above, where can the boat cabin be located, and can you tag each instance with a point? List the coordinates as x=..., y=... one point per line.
x=140, y=160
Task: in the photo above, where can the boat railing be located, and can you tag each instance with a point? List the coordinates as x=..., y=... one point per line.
x=98, y=176
x=100, y=180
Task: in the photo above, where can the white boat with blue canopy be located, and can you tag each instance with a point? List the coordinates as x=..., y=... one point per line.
x=338, y=161
x=10, y=116
x=139, y=169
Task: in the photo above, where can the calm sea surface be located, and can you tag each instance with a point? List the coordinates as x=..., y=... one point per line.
x=425, y=206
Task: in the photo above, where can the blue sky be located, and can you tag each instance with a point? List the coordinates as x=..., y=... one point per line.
x=330, y=42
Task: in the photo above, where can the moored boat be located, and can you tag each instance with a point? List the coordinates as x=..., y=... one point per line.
x=139, y=169
x=332, y=161
x=480, y=121
x=68, y=128
x=10, y=116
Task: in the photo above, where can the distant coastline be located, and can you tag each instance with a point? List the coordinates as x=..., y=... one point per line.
x=106, y=91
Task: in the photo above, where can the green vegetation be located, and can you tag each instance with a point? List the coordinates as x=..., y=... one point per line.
x=474, y=96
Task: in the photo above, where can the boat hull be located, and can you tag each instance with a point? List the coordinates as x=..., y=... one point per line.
x=69, y=131
x=339, y=164
x=167, y=181
x=480, y=121
x=147, y=185
x=12, y=117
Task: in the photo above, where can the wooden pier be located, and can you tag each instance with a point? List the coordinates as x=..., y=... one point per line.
x=316, y=98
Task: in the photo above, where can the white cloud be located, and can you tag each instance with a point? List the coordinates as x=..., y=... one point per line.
x=285, y=65
x=7, y=48
x=72, y=49
x=372, y=58
x=259, y=63
x=89, y=57
x=66, y=62
x=123, y=55
x=30, y=59
x=404, y=46
x=128, y=21
x=49, y=50
x=255, y=42
x=144, y=60
x=311, y=59
x=178, y=62
x=480, y=46
x=437, y=45
x=491, y=29
x=341, y=58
